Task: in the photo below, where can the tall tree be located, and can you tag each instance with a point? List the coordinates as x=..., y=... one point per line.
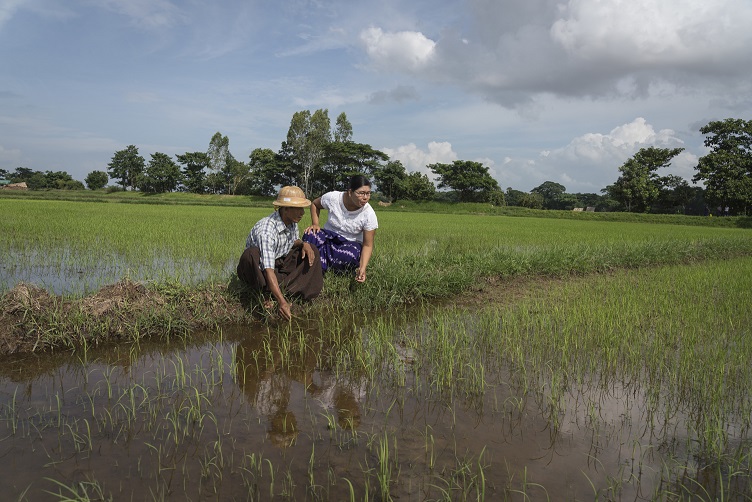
x=96, y=180
x=126, y=165
x=727, y=170
x=674, y=194
x=343, y=130
x=161, y=175
x=638, y=187
x=531, y=200
x=236, y=173
x=471, y=180
x=194, y=170
x=264, y=172
x=551, y=192
x=344, y=159
x=305, y=147
x=388, y=179
x=416, y=186
x=218, y=155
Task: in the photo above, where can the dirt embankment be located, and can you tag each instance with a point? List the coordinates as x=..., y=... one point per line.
x=32, y=319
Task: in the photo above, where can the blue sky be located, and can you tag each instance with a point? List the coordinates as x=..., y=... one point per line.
x=536, y=90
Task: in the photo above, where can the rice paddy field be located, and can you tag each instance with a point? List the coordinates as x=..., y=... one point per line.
x=486, y=358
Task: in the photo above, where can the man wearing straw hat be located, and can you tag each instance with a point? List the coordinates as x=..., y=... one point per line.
x=276, y=258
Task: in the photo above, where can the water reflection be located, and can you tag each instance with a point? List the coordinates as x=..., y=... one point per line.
x=65, y=271
x=220, y=419
x=269, y=384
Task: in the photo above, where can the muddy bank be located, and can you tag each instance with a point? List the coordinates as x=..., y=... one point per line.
x=33, y=320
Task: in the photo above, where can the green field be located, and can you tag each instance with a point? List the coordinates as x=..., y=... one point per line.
x=487, y=357
x=76, y=247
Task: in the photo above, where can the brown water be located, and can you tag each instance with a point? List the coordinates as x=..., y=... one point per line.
x=237, y=419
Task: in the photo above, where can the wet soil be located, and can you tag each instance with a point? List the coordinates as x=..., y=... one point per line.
x=119, y=311
x=128, y=309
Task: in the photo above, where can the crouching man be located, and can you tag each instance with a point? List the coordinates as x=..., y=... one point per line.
x=276, y=260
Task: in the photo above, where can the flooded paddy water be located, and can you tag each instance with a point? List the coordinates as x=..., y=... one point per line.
x=359, y=411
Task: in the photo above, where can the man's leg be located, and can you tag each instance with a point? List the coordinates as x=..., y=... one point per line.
x=298, y=277
x=249, y=270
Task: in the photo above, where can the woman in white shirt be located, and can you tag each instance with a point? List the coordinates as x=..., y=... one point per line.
x=345, y=242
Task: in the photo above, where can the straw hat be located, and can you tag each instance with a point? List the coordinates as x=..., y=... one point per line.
x=291, y=197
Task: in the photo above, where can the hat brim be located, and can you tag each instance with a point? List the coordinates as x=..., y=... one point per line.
x=293, y=202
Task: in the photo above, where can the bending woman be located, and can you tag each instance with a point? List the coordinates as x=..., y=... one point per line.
x=346, y=241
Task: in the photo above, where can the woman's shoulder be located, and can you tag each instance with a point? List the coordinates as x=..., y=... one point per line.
x=330, y=197
x=369, y=212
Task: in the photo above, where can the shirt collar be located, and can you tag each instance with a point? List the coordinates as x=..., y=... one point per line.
x=280, y=225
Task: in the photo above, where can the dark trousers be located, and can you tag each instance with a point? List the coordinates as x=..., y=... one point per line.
x=294, y=275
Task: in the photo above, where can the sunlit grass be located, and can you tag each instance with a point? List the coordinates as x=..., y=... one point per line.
x=75, y=248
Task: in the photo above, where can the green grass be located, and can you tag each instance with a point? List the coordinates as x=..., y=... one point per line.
x=186, y=255
x=417, y=256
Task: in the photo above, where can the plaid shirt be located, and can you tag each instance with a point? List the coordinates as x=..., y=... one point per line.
x=273, y=238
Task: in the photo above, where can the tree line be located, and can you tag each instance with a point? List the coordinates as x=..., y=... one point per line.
x=318, y=157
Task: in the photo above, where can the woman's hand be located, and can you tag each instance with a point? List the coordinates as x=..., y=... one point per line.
x=313, y=229
x=360, y=274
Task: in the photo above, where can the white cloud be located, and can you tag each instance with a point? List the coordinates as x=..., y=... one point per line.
x=516, y=54
x=620, y=143
x=591, y=161
x=646, y=32
x=404, y=50
x=415, y=159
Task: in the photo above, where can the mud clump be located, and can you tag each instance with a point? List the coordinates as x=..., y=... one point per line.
x=33, y=320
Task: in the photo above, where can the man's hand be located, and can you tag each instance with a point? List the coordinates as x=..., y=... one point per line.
x=284, y=310
x=308, y=253
x=313, y=229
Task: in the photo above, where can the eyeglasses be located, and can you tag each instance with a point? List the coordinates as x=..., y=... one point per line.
x=362, y=194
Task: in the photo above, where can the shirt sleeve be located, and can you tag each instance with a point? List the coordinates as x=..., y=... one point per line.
x=267, y=245
x=265, y=237
x=371, y=223
x=326, y=199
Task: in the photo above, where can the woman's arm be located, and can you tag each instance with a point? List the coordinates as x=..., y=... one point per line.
x=365, y=255
x=316, y=208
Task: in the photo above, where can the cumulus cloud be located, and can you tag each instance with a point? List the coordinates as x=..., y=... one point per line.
x=405, y=50
x=511, y=54
x=591, y=161
x=645, y=32
x=415, y=159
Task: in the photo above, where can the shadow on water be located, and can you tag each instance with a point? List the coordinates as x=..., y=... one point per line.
x=291, y=412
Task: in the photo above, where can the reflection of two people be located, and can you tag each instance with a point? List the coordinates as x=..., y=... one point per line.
x=269, y=386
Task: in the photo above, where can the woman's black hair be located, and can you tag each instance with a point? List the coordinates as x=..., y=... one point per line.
x=358, y=181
